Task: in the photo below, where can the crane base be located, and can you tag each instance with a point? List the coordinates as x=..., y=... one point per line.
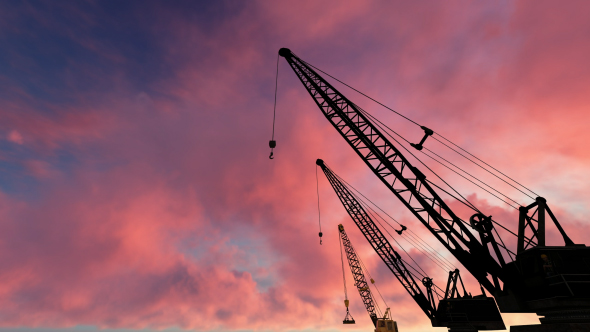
x=561, y=327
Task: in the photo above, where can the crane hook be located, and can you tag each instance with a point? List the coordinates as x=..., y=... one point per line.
x=272, y=145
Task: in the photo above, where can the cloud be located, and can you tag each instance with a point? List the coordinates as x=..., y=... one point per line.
x=138, y=191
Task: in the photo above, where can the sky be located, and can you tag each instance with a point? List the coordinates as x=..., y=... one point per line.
x=136, y=192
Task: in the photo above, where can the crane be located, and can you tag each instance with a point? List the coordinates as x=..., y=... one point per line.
x=519, y=285
x=461, y=313
x=382, y=324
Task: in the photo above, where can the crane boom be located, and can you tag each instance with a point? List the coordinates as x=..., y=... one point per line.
x=396, y=172
x=359, y=277
x=522, y=285
x=379, y=242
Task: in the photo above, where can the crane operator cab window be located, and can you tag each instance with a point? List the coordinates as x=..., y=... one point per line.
x=386, y=325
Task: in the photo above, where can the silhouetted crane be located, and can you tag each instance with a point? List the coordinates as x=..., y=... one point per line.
x=553, y=281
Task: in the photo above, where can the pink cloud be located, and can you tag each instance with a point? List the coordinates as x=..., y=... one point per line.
x=172, y=214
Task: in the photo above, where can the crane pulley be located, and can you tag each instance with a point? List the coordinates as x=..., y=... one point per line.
x=465, y=313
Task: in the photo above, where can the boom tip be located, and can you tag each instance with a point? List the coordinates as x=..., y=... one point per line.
x=285, y=52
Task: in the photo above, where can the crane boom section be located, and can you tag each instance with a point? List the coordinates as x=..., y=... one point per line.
x=394, y=170
x=359, y=277
x=379, y=242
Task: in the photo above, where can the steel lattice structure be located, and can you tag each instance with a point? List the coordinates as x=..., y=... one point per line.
x=359, y=277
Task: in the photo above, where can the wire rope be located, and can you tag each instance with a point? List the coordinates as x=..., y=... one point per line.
x=414, y=122
x=349, y=186
x=317, y=183
x=434, y=260
x=482, y=188
x=462, y=170
x=334, y=78
x=418, y=159
x=272, y=144
x=365, y=270
x=484, y=163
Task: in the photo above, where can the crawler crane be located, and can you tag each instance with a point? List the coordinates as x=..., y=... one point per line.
x=519, y=285
x=383, y=324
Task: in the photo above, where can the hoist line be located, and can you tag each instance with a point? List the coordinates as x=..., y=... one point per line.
x=484, y=163
x=274, y=113
x=414, y=122
x=482, y=188
x=473, y=207
x=317, y=187
x=373, y=213
x=403, y=116
x=343, y=274
x=474, y=177
x=349, y=186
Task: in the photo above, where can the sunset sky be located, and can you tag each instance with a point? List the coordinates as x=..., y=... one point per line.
x=136, y=192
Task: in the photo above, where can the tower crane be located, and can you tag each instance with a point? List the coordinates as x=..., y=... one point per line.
x=459, y=313
x=382, y=324
x=521, y=285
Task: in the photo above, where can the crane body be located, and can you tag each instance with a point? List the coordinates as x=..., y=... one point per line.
x=522, y=285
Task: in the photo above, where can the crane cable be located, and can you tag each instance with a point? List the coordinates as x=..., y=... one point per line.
x=272, y=143
x=485, y=164
x=465, y=201
x=343, y=275
x=366, y=271
x=317, y=183
x=436, y=253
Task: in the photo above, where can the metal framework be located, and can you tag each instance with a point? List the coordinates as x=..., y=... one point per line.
x=359, y=277
x=474, y=313
x=519, y=285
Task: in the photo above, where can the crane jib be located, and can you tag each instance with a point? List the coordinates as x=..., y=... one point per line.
x=394, y=170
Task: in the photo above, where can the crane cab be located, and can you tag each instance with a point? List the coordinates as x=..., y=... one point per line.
x=386, y=325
